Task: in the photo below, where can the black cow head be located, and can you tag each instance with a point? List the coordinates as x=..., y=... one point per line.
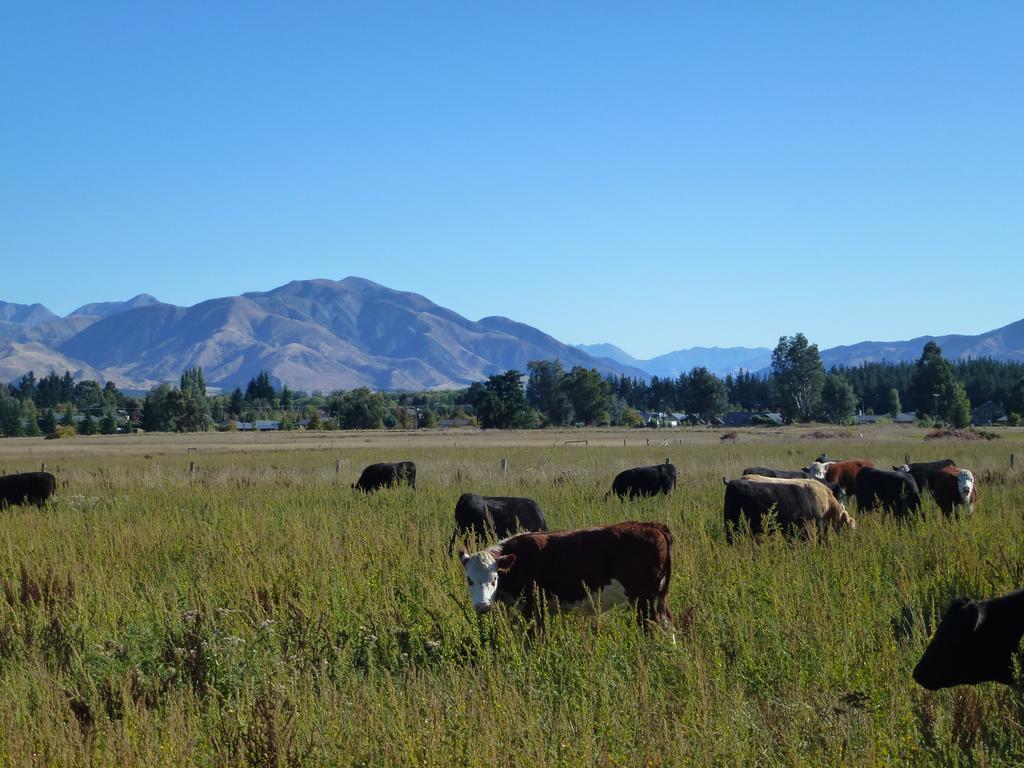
x=960, y=653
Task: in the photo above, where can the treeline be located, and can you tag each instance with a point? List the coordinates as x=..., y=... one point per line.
x=796, y=386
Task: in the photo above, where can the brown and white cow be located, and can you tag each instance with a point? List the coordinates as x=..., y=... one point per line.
x=953, y=487
x=587, y=568
x=842, y=472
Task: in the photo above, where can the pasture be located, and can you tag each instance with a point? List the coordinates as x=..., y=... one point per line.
x=259, y=612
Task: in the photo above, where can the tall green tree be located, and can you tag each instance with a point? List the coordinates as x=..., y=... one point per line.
x=500, y=402
x=359, y=409
x=154, y=413
x=798, y=377
x=236, y=403
x=838, y=400
x=704, y=395
x=260, y=388
x=10, y=414
x=1015, y=400
x=933, y=387
x=193, y=383
x=589, y=395
x=895, y=407
x=546, y=392
x=958, y=406
x=108, y=424
x=195, y=406
x=30, y=418
x=49, y=422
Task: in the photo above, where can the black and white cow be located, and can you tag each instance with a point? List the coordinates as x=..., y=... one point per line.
x=644, y=481
x=385, y=475
x=589, y=568
x=974, y=643
x=27, y=488
x=495, y=516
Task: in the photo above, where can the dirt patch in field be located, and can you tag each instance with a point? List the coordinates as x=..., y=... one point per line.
x=961, y=434
x=828, y=434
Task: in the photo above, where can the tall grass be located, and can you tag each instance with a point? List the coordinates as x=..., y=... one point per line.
x=262, y=613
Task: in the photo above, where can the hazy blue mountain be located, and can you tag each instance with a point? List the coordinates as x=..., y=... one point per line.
x=327, y=334
x=24, y=314
x=718, y=360
x=1006, y=343
x=317, y=334
x=108, y=308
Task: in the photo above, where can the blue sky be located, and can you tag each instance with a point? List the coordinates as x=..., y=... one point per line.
x=656, y=176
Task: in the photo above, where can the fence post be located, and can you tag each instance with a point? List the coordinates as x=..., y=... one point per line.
x=668, y=460
x=337, y=466
x=504, y=466
x=1013, y=457
x=43, y=467
x=191, y=469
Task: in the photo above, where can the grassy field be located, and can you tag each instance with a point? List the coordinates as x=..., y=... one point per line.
x=258, y=612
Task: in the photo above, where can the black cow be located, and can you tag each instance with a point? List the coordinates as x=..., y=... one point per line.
x=796, y=504
x=500, y=516
x=974, y=643
x=895, y=491
x=922, y=471
x=27, y=487
x=798, y=474
x=383, y=475
x=644, y=481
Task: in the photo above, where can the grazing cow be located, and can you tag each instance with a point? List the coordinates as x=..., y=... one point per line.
x=954, y=487
x=790, y=474
x=384, y=475
x=797, y=504
x=589, y=568
x=895, y=491
x=644, y=481
x=842, y=472
x=27, y=487
x=496, y=515
x=798, y=474
x=975, y=643
x=922, y=471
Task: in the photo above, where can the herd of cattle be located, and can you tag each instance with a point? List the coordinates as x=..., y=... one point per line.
x=595, y=568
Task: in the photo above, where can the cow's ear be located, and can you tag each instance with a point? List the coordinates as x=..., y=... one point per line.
x=463, y=554
x=505, y=563
x=977, y=613
x=969, y=614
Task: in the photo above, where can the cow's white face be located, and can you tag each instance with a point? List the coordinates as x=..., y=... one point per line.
x=904, y=468
x=965, y=482
x=482, y=571
x=817, y=469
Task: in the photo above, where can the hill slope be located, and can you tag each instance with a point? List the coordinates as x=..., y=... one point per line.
x=317, y=334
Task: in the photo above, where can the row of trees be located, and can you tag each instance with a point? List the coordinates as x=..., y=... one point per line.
x=797, y=386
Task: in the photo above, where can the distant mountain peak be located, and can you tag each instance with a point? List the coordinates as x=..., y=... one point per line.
x=108, y=308
x=25, y=314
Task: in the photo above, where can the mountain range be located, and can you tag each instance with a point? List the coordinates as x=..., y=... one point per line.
x=312, y=335
x=326, y=335
x=718, y=360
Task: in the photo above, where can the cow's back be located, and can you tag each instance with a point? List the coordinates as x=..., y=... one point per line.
x=845, y=473
x=27, y=487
